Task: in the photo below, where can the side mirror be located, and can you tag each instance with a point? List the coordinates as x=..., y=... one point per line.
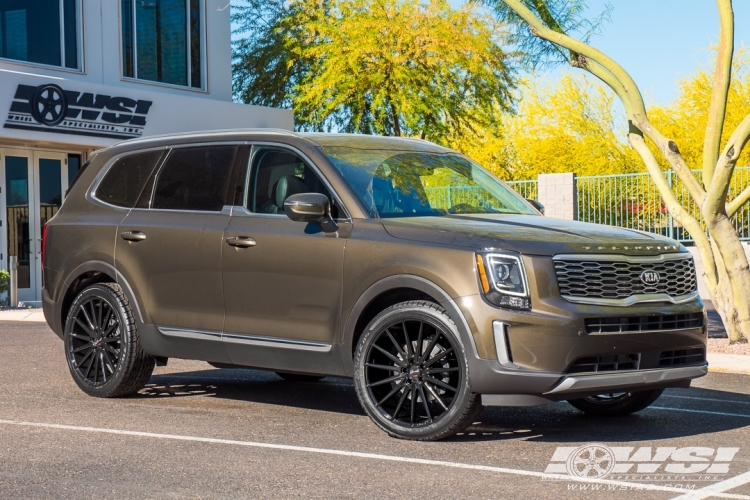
x=536, y=204
x=311, y=207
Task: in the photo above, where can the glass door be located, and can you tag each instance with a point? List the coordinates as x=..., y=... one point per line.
x=34, y=185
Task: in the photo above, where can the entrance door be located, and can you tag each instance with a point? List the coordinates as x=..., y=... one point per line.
x=34, y=184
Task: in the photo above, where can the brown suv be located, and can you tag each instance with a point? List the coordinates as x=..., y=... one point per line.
x=394, y=261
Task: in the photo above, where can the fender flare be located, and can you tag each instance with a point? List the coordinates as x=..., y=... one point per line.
x=405, y=281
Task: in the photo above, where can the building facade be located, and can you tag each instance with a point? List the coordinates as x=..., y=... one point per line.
x=79, y=75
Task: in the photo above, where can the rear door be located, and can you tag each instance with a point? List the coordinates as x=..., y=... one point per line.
x=169, y=248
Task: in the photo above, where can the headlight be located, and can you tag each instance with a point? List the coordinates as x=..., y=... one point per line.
x=503, y=279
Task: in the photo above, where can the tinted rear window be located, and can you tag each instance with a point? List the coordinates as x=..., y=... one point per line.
x=195, y=179
x=123, y=183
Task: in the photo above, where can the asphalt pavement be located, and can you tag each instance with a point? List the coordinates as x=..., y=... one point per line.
x=201, y=432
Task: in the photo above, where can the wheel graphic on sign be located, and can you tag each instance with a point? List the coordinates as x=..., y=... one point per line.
x=594, y=461
x=49, y=105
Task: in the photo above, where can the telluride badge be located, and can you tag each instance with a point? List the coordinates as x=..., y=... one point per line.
x=650, y=277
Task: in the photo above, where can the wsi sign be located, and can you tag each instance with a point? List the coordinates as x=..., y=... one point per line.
x=665, y=463
x=51, y=108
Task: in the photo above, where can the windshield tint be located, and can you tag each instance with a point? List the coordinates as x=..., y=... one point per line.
x=413, y=184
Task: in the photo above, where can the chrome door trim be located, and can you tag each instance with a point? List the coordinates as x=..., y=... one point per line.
x=186, y=333
x=286, y=343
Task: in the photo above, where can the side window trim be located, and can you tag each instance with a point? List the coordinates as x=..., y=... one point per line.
x=345, y=216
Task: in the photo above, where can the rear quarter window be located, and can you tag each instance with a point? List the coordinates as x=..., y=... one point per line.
x=125, y=179
x=195, y=178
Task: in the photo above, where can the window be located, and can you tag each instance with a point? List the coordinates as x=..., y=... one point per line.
x=277, y=174
x=161, y=41
x=74, y=165
x=40, y=31
x=195, y=179
x=123, y=183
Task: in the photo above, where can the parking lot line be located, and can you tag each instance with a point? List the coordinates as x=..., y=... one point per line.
x=724, y=414
x=356, y=454
x=716, y=488
x=707, y=399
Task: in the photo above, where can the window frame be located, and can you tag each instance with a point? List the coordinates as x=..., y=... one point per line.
x=203, y=88
x=80, y=39
x=344, y=215
x=91, y=193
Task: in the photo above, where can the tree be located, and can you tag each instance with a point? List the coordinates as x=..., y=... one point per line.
x=725, y=265
x=391, y=67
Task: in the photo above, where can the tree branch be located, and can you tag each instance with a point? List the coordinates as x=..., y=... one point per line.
x=625, y=87
x=717, y=191
x=742, y=198
x=722, y=79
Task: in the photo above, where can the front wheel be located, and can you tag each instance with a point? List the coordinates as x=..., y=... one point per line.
x=616, y=404
x=102, y=346
x=411, y=373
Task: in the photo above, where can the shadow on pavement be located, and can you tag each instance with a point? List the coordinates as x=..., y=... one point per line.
x=557, y=422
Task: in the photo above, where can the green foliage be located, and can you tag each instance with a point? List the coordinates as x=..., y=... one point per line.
x=563, y=16
x=390, y=67
x=4, y=281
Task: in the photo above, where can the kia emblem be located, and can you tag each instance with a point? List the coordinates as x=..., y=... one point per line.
x=650, y=278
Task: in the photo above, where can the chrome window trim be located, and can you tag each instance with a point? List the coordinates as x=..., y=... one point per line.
x=310, y=163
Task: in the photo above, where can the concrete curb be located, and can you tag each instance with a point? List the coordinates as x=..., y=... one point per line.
x=31, y=315
x=728, y=363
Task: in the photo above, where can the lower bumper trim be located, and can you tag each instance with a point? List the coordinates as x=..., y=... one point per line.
x=588, y=383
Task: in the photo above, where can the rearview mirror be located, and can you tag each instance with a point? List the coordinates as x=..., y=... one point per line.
x=536, y=204
x=311, y=207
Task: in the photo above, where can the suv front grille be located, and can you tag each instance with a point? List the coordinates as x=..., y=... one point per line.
x=644, y=323
x=602, y=279
x=606, y=363
x=682, y=357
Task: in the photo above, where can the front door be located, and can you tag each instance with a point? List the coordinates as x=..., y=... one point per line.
x=282, y=279
x=33, y=186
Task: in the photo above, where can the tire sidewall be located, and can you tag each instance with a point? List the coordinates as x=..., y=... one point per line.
x=126, y=333
x=412, y=312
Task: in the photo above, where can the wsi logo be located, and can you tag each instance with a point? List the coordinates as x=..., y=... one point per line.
x=598, y=461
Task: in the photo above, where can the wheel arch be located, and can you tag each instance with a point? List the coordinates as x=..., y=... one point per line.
x=390, y=291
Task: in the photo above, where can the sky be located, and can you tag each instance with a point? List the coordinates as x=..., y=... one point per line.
x=659, y=41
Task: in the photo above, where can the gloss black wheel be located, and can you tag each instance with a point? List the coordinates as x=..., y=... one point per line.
x=102, y=347
x=411, y=373
x=616, y=404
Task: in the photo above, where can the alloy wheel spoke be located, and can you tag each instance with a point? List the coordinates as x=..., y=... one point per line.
x=432, y=371
x=85, y=338
x=111, y=329
x=400, y=404
x=390, y=356
x=418, y=354
x=430, y=346
x=409, y=350
x=413, y=402
x=89, y=331
x=104, y=373
x=100, y=310
x=386, y=380
x=83, y=347
x=83, y=360
x=383, y=367
x=108, y=361
x=88, y=318
x=438, y=357
x=424, y=402
x=434, y=394
x=398, y=347
x=390, y=394
x=110, y=349
x=440, y=383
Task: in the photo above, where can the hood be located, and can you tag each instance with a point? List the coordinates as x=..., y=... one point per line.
x=528, y=234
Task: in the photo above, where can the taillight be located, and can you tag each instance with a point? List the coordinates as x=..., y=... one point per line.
x=44, y=242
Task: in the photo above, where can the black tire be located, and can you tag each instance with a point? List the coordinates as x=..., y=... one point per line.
x=419, y=343
x=617, y=404
x=102, y=346
x=298, y=377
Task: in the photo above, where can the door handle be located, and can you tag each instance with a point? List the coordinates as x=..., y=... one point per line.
x=241, y=241
x=133, y=236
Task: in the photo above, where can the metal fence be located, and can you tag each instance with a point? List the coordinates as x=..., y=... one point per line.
x=624, y=200
x=632, y=201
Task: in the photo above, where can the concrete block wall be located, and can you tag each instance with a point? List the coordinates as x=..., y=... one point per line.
x=557, y=192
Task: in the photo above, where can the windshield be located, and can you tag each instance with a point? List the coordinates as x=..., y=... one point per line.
x=421, y=184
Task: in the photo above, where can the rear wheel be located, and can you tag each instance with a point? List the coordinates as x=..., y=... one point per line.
x=102, y=346
x=411, y=373
x=616, y=404
x=298, y=377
